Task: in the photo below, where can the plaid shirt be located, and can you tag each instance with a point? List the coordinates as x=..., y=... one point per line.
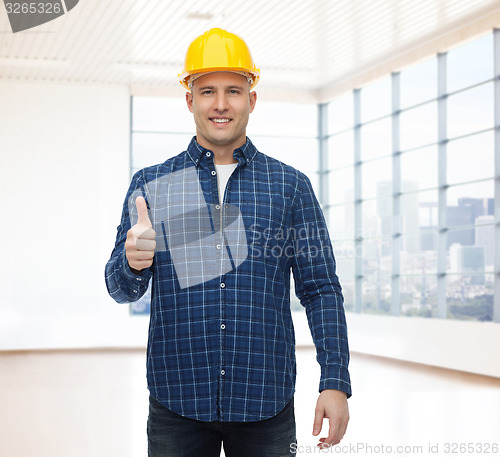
x=221, y=340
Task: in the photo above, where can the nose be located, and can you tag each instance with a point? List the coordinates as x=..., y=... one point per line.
x=221, y=103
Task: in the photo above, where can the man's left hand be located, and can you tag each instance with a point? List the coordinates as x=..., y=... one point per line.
x=332, y=404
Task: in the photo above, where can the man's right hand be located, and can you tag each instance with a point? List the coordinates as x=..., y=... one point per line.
x=140, y=244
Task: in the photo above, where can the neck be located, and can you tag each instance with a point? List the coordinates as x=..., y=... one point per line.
x=224, y=157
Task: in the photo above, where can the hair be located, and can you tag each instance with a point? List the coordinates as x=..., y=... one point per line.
x=193, y=78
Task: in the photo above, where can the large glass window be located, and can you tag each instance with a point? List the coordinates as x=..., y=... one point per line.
x=423, y=243
x=471, y=110
x=419, y=83
x=475, y=149
x=341, y=113
x=420, y=166
x=376, y=139
x=376, y=100
x=419, y=126
x=343, y=145
x=470, y=64
x=161, y=128
x=288, y=132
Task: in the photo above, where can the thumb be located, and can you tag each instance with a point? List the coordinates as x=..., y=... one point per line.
x=318, y=421
x=142, y=212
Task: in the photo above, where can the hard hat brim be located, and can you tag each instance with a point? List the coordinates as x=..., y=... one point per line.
x=255, y=74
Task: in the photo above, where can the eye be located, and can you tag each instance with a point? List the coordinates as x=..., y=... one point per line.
x=206, y=92
x=234, y=91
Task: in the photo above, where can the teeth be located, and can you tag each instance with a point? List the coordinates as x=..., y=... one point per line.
x=220, y=121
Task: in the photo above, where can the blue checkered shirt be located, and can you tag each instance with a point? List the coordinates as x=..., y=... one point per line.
x=224, y=349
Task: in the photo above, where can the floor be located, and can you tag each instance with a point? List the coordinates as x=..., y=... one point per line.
x=94, y=404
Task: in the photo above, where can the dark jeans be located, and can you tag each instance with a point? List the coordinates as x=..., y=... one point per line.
x=172, y=435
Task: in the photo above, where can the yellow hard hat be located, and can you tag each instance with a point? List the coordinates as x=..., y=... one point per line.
x=218, y=50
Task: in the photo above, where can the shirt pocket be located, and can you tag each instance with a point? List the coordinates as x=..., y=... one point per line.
x=267, y=219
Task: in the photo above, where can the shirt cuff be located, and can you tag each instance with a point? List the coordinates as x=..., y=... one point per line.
x=143, y=275
x=335, y=378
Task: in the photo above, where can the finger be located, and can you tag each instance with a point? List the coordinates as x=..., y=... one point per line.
x=145, y=240
x=142, y=255
x=333, y=432
x=141, y=264
x=145, y=245
x=146, y=234
x=318, y=421
x=142, y=211
x=332, y=438
x=323, y=444
x=343, y=429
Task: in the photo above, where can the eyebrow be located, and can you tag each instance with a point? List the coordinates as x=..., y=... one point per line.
x=213, y=87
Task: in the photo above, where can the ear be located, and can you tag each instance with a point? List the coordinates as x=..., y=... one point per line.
x=189, y=101
x=253, y=100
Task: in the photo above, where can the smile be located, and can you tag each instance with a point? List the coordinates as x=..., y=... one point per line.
x=218, y=120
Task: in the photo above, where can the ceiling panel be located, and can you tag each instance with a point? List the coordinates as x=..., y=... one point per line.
x=298, y=44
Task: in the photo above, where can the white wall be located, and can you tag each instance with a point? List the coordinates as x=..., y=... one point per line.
x=64, y=171
x=458, y=345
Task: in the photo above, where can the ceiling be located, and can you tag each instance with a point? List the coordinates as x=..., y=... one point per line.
x=308, y=46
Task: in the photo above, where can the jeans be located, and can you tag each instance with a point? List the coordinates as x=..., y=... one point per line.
x=172, y=435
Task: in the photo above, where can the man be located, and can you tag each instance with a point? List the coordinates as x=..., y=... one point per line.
x=218, y=228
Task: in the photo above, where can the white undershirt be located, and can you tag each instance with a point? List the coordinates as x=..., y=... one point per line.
x=223, y=173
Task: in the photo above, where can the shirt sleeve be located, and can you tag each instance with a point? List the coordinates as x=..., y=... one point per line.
x=318, y=288
x=123, y=284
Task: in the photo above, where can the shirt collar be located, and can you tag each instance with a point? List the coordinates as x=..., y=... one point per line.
x=243, y=154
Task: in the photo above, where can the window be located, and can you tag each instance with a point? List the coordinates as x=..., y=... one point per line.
x=376, y=100
x=341, y=113
x=287, y=132
x=161, y=128
x=470, y=64
x=414, y=208
x=470, y=111
x=419, y=83
x=419, y=126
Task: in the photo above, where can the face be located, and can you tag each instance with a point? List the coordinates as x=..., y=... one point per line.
x=221, y=103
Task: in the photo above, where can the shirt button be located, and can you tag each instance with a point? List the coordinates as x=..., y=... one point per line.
x=217, y=206
x=208, y=154
x=218, y=246
x=222, y=285
x=214, y=172
x=135, y=291
x=222, y=372
x=223, y=326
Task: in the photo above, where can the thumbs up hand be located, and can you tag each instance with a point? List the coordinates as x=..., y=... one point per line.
x=140, y=244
